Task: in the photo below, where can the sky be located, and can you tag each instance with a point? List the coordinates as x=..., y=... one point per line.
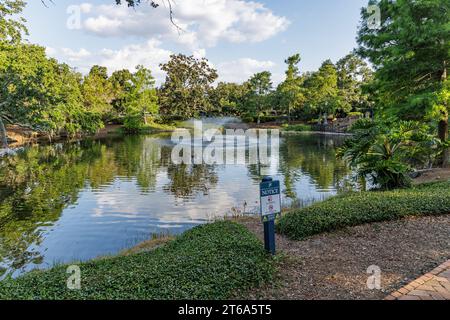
x=238, y=37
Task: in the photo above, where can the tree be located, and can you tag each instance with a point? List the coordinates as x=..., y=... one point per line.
x=121, y=87
x=410, y=52
x=97, y=91
x=24, y=69
x=260, y=85
x=227, y=98
x=185, y=93
x=353, y=74
x=291, y=92
x=321, y=90
x=40, y=93
x=142, y=100
x=12, y=29
x=73, y=118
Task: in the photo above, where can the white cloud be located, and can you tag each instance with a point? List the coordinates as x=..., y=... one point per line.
x=128, y=57
x=86, y=7
x=200, y=53
x=203, y=22
x=148, y=54
x=242, y=69
x=74, y=56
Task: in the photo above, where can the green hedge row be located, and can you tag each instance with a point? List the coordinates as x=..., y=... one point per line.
x=365, y=207
x=208, y=262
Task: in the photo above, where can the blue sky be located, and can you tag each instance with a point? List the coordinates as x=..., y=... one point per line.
x=238, y=37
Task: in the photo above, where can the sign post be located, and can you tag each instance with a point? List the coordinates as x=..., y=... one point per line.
x=270, y=209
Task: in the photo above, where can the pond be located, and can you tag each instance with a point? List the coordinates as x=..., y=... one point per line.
x=76, y=201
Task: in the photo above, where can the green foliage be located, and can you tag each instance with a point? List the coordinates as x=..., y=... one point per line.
x=410, y=52
x=185, y=93
x=353, y=75
x=143, y=98
x=38, y=92
x=12, y=27
x=365, y=207
x=97, y=91
x=256, y=102
x=133, y=123
x=52, y=98
x=121, y=87
x=227, y=99
x=209, y=262
x=322, y=90
x=298, y=128
x=291, y=93
x=387, y=152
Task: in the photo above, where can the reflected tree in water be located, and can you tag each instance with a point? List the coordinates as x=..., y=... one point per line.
x=35, y=187
x=313, y=157
x=187, y=180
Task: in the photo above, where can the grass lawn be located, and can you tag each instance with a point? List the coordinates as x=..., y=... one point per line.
x=208, y=262
x=365, y=207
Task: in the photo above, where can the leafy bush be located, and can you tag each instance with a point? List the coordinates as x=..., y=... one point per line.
x=365, y=207
x=387, y=152
x=133, y=123
x=208, y=262
x=298, y=128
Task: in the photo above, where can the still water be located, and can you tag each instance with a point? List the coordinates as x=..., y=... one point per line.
x=75, y=201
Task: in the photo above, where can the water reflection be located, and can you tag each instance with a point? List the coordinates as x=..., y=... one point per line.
x=77, y=201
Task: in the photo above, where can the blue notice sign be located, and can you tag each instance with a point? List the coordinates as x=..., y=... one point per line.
x=270, y=200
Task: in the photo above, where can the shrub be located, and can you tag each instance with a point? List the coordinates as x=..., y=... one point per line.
x=387, y=152
x=208, y=262
x=365, y=207
x=133, y=123
x=298, y=128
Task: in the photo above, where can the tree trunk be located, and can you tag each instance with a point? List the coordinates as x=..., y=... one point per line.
x=144, y=116
x=3, y=135
x=443, y=136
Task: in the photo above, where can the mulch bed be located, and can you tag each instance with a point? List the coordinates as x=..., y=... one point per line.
x=334, y=266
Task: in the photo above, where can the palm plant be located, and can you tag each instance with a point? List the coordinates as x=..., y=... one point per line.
x=388, y=153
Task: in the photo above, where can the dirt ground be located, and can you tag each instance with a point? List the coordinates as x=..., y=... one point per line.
x=334, y=266
x=435, y=175
x=19, y=136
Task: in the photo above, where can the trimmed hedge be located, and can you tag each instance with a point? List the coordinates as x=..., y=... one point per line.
x=208, y=262
x=365, y=207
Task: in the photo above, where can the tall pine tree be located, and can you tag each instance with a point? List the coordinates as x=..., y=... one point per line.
x=411, y=51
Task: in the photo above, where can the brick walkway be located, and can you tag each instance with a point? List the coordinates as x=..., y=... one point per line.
x=434, y=285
